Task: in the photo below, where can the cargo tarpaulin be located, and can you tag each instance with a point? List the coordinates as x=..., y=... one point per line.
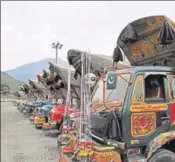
x=166, y=34
x=117, y=55
x=62, y=74
x=37, y=86
x=130, y=35
x=149, y=41
x=97, y=62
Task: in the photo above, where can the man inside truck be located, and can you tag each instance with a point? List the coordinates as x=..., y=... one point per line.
x=154, y=85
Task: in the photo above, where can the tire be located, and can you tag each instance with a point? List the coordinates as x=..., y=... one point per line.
x=37, y=127
x=162, y=155
x=46, y=119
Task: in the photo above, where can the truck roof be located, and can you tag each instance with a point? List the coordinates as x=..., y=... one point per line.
x=135, y=69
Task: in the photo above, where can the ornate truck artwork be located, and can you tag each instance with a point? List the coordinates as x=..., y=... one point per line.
x=150, y=107
x=142, y=124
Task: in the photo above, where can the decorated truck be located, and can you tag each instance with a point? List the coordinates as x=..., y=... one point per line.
x=132, y=111
x=56, y=81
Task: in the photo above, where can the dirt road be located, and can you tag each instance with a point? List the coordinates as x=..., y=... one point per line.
x=21, y=142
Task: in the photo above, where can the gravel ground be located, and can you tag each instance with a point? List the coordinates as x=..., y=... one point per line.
x=21, y=141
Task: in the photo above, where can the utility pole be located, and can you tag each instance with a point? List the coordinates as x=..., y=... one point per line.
x=57, y=46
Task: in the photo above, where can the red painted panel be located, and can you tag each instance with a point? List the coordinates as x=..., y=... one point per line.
x=172, y=114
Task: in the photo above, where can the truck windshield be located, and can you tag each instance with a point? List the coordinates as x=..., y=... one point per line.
x=116, y=94
x=119, y=92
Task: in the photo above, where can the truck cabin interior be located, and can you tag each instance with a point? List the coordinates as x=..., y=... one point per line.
x=155, y=87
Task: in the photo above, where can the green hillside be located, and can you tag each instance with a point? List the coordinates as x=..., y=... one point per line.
x=12, y=83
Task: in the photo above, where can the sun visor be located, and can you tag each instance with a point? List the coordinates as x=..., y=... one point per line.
x=148, y=41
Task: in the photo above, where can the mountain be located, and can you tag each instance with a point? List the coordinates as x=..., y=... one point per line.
x=12, y=83
x=29, y=71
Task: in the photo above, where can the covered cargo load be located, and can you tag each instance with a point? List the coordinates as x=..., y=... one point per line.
x=98, y=62
x=148, y=41
x=37, y=86
x=51, y=83
x=62, y=75
x=25, y=88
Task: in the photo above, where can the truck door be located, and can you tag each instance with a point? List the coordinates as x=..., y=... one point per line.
x=149, y=109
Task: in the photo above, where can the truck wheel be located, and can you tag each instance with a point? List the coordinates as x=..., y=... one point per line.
x=162, y=155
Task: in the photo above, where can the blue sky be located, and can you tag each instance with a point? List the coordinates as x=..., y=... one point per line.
x=29, y=28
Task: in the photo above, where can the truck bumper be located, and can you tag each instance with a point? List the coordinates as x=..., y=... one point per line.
x=39, y=121
x=99, y=154
x=49, y=126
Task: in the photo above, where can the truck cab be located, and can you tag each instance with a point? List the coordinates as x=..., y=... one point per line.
x=133, y=107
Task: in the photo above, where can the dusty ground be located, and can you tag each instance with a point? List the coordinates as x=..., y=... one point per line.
x=21, y=142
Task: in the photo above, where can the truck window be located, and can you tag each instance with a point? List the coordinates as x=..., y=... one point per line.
x=138, y=95
x=119, y=92
x=171, y=79
x=154, y=87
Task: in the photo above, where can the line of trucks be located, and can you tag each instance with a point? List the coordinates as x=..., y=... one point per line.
x=109, y=111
